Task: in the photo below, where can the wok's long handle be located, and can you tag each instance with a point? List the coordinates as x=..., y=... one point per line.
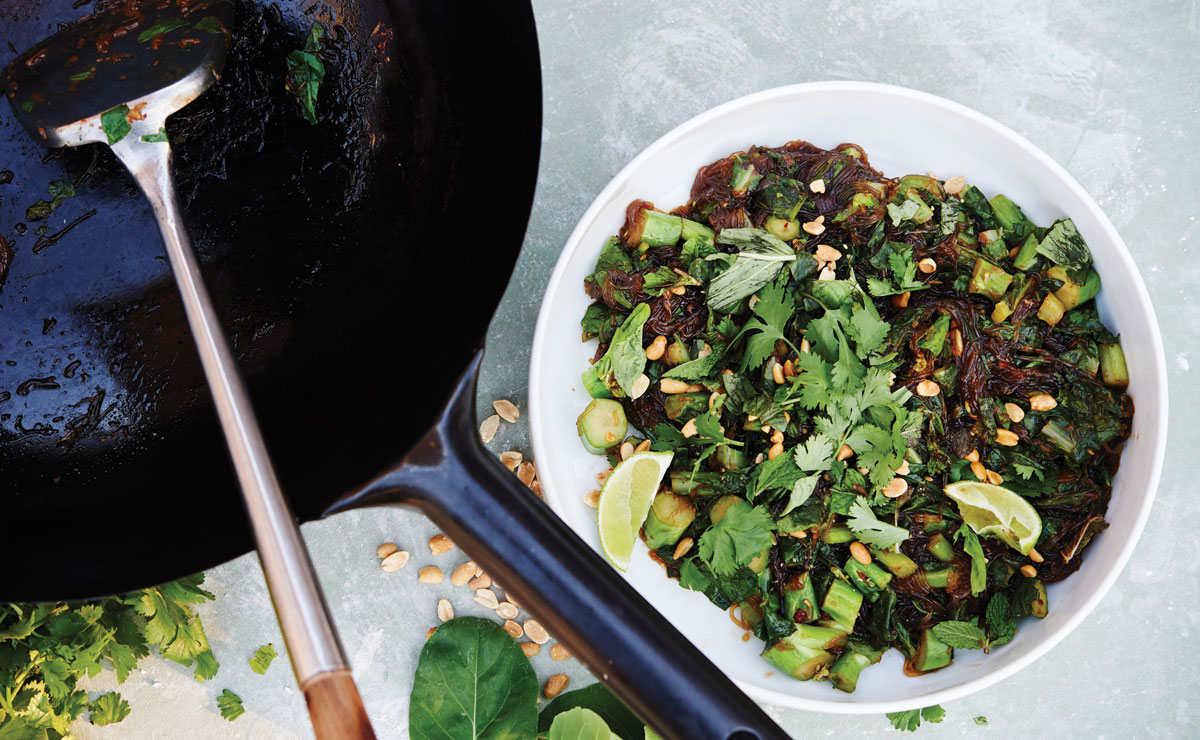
x=316, y=653
x=560, y=580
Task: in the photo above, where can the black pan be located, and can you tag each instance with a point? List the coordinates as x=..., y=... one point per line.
x=356, y=264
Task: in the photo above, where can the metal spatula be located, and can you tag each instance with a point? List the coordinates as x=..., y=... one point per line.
x=113, y=78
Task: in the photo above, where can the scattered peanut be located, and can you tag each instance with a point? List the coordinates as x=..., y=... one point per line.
x=513, y=629
x=445, y=610
x=798, y=534
x=483, y=580
x=395, y=561
x=777, y=437
x=827, y=273
x=901, y=301
x=529, y=648
x=979, y=471
x=955, y=185
x=775, y=451
x=789, y=369
x=640, y=385
x=859, y=552
x=928, y=388
x=1006, y=438
x=814, y=228
x=506, y=610
x=463, y=573
x=386, y=549
x=558, y=652
x=777, y=373
x=689, y=429
x=804, y=345
x=657, y=348
x=972, y=456
x=896, y=488
x=626, y=450
x=430, y=574
x=1015, y=413
x=507, y=410
x=642, y=446
x=844, y=453
x=536, y=631
x=1042, y=402
x=682, y=548
x=927, y=266
x=903, y=469
x=1036, y=556
x=511, y=459
x=487, y=597
x=994, y=478
x=439, y=544
x=1029, y=571
x=555, y=684
x=956, y=343
x=487, y=430
x=679, y=289
x=671, y=385
x=526, y=472
x=817, y=186
x=826, y=253
x=592, y=498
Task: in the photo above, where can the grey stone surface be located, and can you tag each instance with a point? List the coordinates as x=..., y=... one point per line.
x=1111, y=90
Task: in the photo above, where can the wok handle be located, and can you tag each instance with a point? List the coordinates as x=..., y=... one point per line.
x=536, y=559
x=314, y=649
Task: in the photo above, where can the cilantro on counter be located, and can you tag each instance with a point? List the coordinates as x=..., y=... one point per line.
x=230, y=705
x=262, y=658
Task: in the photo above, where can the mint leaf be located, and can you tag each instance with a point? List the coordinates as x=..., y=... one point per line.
x=869, y=530
x=743, y=533
x=960, y=635
x=262, y=658
x=802, y=490
x=472, y=683
x=1001, y=626
x=759, y=262
x=230, y=705
x=772, y=474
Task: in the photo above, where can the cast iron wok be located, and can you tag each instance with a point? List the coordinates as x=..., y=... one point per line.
x=356, y=263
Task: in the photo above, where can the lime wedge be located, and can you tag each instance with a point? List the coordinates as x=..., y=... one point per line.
x=625, y=500
x=995, y=511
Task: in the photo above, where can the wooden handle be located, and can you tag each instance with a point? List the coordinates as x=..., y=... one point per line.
x=335, y=707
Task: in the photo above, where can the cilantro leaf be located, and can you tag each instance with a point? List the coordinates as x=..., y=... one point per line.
x=108, y=709
x=867, y=329
x=114, y=123
x=230, y=705
x=775, y=308
x=815, y=454
x=815, y=381
x=743, y=533
x=910, y=720
x=262, y=658
x=978, y=558
x=960, y=635
x=869, y=530
x=1028, y=471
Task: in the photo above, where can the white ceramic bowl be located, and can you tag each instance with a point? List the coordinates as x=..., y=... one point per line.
x=902, y=131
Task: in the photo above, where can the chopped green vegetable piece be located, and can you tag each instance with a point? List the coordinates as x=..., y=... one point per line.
x=670, y=515
x=1064, y=246
x=989, y=280
x=602, y=425
x=1112, y=366
x=660, y=229
x=841, y=604
x=159, y=136
x=1051, y=310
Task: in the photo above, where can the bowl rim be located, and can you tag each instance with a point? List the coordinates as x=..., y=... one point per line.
x=1156, y=406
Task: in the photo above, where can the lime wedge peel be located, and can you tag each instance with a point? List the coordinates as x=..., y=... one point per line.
x=995, y=511
x=625, y=501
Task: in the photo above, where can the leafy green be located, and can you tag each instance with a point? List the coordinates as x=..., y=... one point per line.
x=115, y=124
x=960, y=635
x=1064, y=246
x=910, y=720
x=625, y=358
x=981, y=720
x=306, y=72
x=262, y=658
x=869, y=530
x=775, y=308
x=209, y=24
x=472, y=683
x=108, y=709
x=579, y=724
x=230, y=705
x=59, y=190
x=815, y=454
x=978, y=559
x=160, y=28
x=598, y=699
x=775, y=474
x=1000, y=621
x=802, y=490
x=159, y=136
x=758, y=263
x=743, y=533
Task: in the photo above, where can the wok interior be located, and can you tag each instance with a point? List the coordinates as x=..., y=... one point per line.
x=333, y=252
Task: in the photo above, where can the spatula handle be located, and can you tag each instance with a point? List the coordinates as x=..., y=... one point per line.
x=313, y=646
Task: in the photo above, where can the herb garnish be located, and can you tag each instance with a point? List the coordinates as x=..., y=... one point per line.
x=306, y=72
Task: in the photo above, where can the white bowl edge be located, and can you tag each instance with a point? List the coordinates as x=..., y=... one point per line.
x=1149, y=390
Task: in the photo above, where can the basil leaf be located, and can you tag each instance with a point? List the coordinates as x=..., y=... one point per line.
x=597, y=698
x=472, y=683
x=758, y=263
x=627, y=355
x=579, y=724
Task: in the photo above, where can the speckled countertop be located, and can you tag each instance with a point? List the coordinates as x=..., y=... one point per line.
x=1109, y=89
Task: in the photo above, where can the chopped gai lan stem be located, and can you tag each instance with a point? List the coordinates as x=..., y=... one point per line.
x=827, y=351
